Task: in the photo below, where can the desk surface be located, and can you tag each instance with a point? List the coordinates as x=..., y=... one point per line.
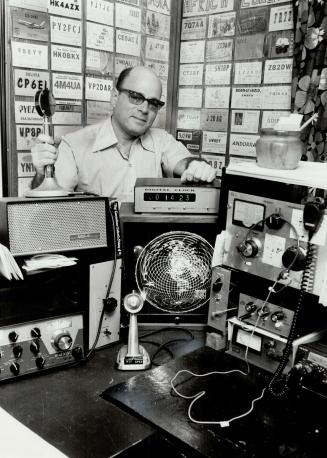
x=273, y=429
x=65, y=408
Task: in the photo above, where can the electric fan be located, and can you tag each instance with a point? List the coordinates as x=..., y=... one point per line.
x=173, y=273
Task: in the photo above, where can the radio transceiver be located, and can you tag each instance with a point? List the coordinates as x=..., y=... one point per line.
x=169, y=195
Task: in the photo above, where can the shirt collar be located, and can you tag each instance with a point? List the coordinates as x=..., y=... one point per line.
x=106, y=137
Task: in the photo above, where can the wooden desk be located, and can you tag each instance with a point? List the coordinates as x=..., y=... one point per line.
x=293, y=429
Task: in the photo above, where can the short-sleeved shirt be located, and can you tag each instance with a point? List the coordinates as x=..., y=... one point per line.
x=90, y=160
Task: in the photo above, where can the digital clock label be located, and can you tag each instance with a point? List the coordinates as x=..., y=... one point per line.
x=169, y=197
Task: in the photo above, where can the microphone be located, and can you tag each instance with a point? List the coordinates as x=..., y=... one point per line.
x=45, y=105
x=133, y=356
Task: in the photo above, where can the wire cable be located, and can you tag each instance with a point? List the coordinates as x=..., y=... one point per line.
x=112, y=276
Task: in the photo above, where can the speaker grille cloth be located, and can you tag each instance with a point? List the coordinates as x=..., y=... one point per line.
x=56, y=226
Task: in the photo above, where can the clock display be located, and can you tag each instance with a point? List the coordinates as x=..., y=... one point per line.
x=168, y=197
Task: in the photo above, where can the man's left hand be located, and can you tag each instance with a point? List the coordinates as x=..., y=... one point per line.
x=198, y=171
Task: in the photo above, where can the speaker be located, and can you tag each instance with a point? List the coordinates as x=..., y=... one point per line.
x=42, y=225
x=137, y=231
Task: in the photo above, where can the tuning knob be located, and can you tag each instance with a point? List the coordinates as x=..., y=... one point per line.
x=77, y=352
x=249, y=248
x=277, y=316
x=62, y=340
x=250, y=307
x=13, y=336
x=40, y=362
x=17, y=351
x=35, y=347
x=36, y=333
x=217, y=285
x=14, y=367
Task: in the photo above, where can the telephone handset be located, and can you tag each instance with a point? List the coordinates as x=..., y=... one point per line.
x=313, y=213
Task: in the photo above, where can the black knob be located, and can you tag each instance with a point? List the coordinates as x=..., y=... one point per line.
x=77, y=352
x=217, y=285
x=40, y=362
x=250, y=307
x=294, y=258
x=35, y=347
x=110, y=304
x=14, y=367
x=275, y=221
x=17, y=351
x=13, y=336
x=36, y=333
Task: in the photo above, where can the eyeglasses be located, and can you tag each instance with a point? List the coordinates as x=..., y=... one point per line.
x=137, y=99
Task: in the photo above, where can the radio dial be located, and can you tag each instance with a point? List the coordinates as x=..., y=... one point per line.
x=249, y=248
x=62, y=340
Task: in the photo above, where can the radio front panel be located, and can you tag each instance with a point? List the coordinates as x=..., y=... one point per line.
x=260, y=243
x=36, y=346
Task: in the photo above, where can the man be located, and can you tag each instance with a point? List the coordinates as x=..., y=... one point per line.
x=106, y=158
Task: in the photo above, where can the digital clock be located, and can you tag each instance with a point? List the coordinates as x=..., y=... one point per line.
x=169, y=195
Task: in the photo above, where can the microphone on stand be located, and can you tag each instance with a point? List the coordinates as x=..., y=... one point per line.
x=133, y=356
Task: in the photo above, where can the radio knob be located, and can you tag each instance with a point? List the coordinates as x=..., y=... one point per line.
x=35, y=347
x=14, y=367
x=249, y=248
x=275, y=221
x=13, y=336
x=277, y=316
x=62, y=341
x=17, y=351
x=36, y=333
x=217, y=285
x=40, y=362
x=77, y=352
x=250, y=307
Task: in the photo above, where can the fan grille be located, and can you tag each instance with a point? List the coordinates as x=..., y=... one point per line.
x=173, y=271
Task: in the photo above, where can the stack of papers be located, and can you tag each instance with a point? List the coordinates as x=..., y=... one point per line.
x=48, y=261
x=8, y=266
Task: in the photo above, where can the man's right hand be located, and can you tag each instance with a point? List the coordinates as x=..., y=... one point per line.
x=43, y=153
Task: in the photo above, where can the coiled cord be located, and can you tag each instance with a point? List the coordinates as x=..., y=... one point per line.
x=306, y=286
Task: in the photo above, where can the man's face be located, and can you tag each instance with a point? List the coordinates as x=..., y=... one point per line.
x=135, y=120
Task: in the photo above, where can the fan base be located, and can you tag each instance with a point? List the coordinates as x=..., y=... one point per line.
x=127, y=362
